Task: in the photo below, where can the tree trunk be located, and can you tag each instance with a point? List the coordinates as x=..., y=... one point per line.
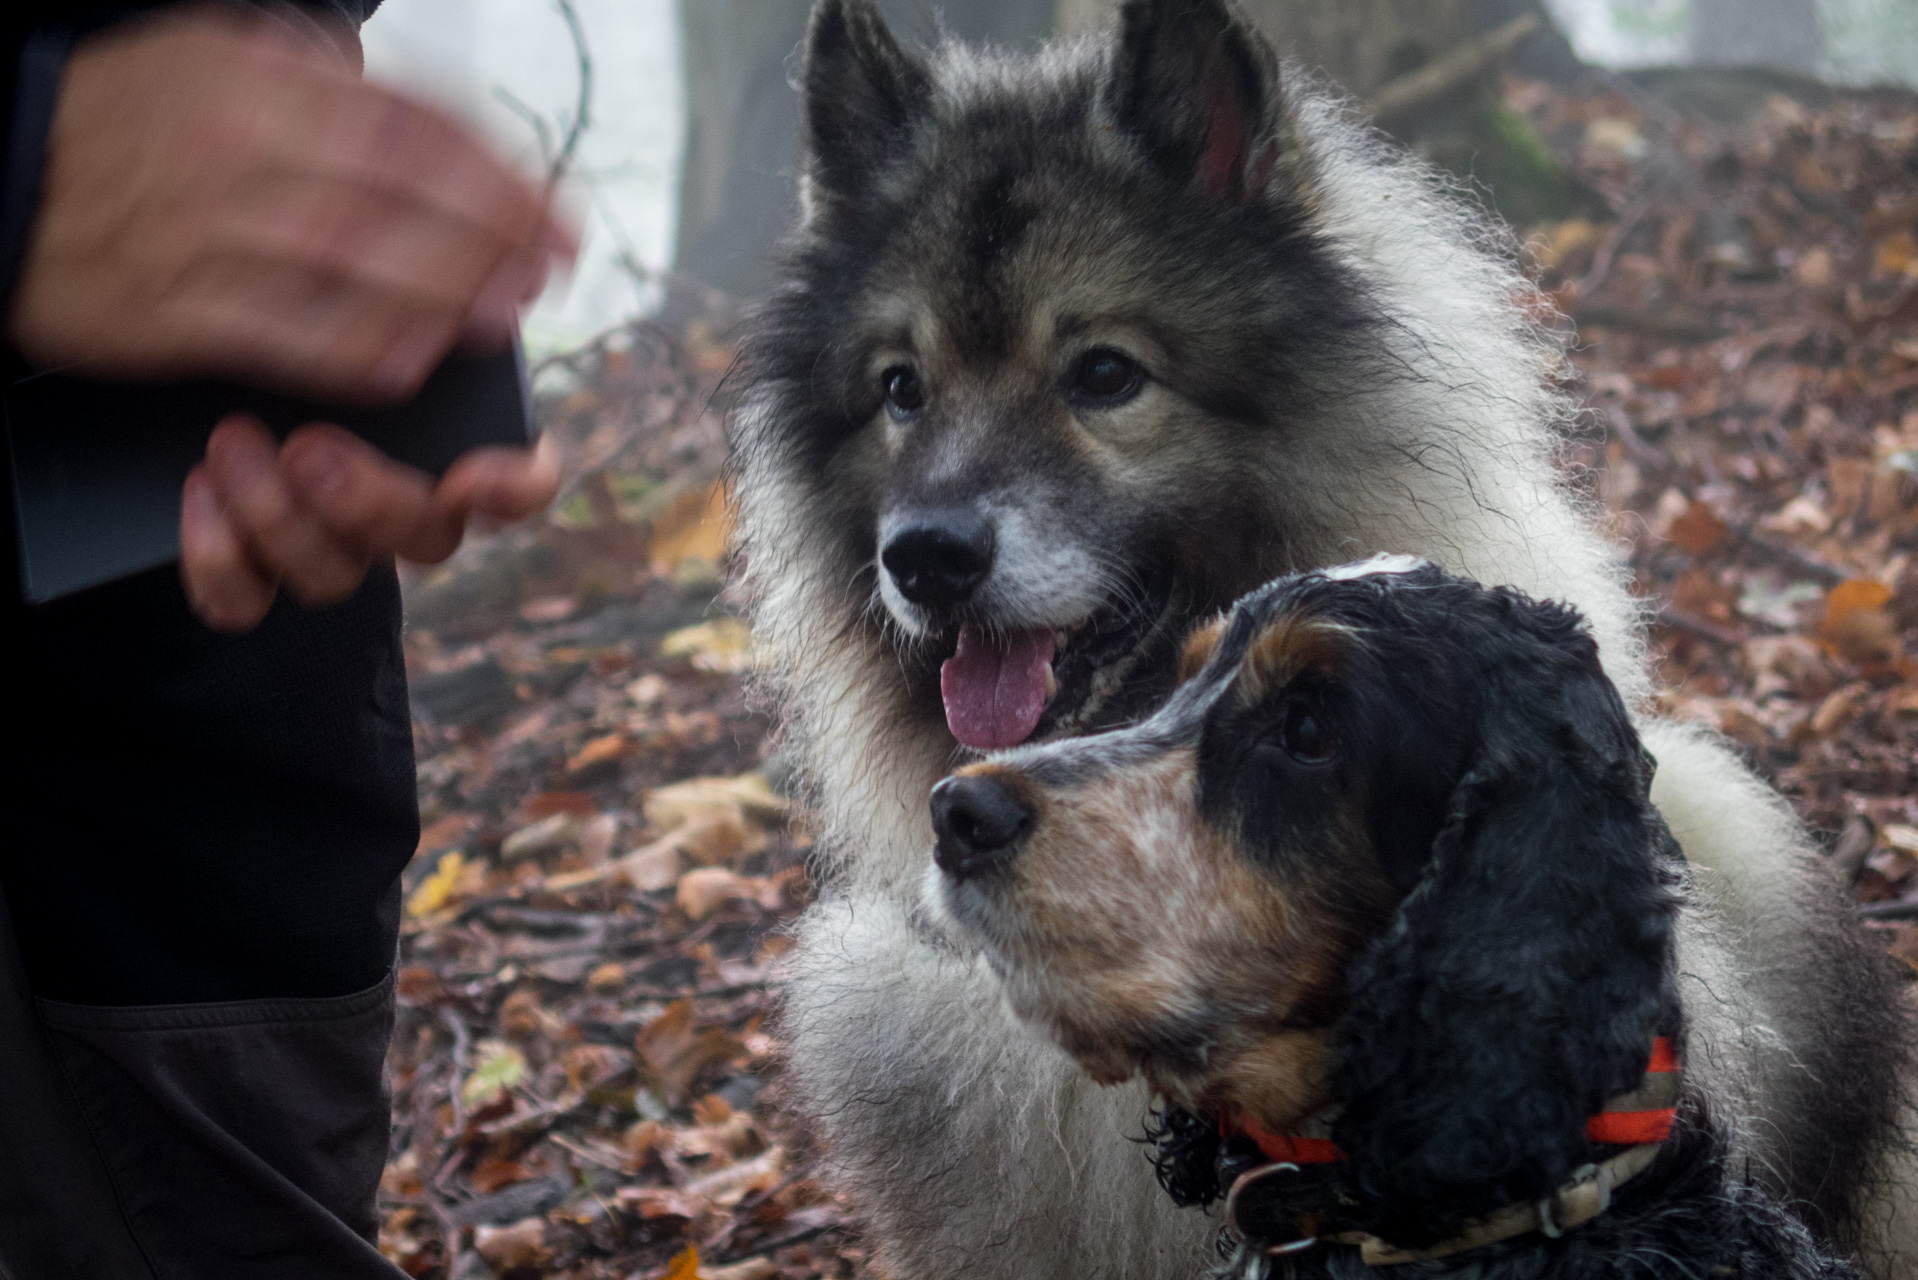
x=737, y=186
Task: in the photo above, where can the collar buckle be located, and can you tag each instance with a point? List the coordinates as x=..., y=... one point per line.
x=1601, y=1174
x=1239, y=1185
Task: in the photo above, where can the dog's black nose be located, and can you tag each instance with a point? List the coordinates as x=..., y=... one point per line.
x=980, y=820
x=940, y=558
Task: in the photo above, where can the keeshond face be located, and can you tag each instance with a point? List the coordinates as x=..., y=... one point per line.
x=1037, y=355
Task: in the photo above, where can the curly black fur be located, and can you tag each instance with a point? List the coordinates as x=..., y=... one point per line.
x=1525, y=975
x=1185, y=1155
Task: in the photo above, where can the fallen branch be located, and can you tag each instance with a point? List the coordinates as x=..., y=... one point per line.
x=1458, y=66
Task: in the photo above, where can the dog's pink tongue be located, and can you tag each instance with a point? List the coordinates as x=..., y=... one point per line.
x=995, y=689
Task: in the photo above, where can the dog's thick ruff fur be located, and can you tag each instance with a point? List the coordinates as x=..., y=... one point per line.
x=1339, y=359
x=1390, y=849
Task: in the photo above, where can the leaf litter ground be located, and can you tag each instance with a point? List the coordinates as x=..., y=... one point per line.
x=585, y=1073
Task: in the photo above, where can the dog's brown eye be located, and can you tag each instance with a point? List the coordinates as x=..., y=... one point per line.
x=1304, y=737
x=1106, y=377
x=905, y=394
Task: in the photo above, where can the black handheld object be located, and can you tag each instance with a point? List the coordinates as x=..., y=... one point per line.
x=98, y=466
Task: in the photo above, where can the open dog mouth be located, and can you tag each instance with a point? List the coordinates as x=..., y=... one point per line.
x=1002, y=687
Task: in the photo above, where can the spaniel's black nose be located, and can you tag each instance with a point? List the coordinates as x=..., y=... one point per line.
x=940, y=558
x=981, y=820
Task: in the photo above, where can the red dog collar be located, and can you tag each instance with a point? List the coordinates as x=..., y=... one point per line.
x=1631, y=1119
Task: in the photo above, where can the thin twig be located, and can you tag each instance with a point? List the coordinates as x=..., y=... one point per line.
x=1608, y=248
x=783, y=1242
x=1685, y=620
x=462, y=1042
x=583, y=108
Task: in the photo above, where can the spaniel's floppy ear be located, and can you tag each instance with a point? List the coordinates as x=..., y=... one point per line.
x=1196, y=87
x=863, y=94
x=1524, y=977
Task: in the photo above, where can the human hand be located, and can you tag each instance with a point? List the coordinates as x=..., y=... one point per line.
x=219, y=199
x=313, y=513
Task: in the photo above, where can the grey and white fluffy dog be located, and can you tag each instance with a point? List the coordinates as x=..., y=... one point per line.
x=1073, y=349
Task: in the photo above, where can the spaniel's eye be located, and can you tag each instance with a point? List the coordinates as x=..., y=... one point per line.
x=1303, y=735
x=1105, y=377
x=905, y=394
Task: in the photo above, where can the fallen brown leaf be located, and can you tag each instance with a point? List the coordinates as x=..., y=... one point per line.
x=676, y=1052
x=493, y=1173
x=1698, y=530
x=523, y=1244
x=704, y=891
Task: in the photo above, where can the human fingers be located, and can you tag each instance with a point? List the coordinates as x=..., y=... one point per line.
x=223, y=585
x=501, y=485
x=365, y=498
x=279, y=534
x=494, y=485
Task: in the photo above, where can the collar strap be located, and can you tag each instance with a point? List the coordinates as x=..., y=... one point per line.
x=1628, y=1120
x=1639, y=1121
x=1586, y=1195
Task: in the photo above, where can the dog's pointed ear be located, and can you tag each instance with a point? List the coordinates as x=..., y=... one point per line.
x=1197, y=88
x=1523, y=979
x=862, y=95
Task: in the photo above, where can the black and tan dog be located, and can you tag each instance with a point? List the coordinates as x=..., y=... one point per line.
x=1380, y=906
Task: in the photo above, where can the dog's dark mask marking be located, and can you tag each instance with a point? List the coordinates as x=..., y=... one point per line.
x=1395, y=816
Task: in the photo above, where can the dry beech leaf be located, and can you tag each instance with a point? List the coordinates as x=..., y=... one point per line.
x=1898, y=254
x=547, y=834
x=445, y=833
x=1698, y=530
x=732, y=1139
x=747, y=794
x=591, y=1065
x=704, y=891
x=750, y=1269
x=608, y=977
x=723, y=645
x=1835, y=710
x=437, y=889
x=685, y=1266
x=501, y=1066
x=1857, y=627
x=493, y=1173
x=675, y=1052
x=597, y=836
x=547, y=803
x=653, y=1203
x=655, y=867
x=519, y=1016
x=724, y=1188
x=644, y=1137
x=613, y=746
x=522, y=1244
x=694, y=527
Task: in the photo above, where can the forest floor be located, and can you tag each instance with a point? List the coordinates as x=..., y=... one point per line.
x=586, y=1072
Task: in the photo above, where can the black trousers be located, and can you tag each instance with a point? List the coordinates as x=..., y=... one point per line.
x=199, y=906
